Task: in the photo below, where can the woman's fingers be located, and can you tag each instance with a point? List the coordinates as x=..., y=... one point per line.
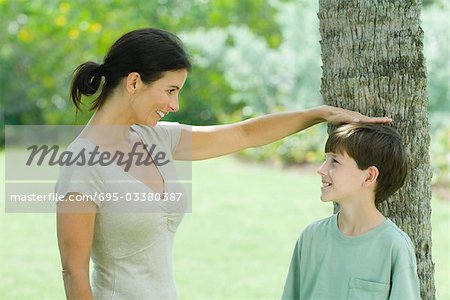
x=381, y=120
x=340, y=116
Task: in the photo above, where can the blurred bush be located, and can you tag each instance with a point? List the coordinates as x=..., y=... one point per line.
x=306, y=147
x=265, y=79
x=253, y=57
x=440, y=149
x=44, y=41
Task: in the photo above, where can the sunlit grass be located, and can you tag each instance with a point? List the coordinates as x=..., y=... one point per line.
x=236, y=244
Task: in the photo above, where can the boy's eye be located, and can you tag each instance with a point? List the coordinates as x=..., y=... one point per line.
x=170, y=92
x=334, y=161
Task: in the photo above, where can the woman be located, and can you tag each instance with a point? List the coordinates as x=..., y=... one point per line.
x=144, y=72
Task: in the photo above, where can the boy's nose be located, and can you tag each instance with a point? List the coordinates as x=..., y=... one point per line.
x=322, y=169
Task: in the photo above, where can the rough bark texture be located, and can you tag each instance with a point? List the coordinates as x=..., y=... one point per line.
x=373, y=62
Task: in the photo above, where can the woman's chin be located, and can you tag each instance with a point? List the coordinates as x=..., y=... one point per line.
x=150, y=122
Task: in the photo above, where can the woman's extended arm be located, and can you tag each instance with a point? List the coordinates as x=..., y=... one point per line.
x=75, y=228
x=202, y=142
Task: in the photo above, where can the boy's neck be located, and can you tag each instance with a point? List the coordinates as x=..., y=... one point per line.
x=353, y=221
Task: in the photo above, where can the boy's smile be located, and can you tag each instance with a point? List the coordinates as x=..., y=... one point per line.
x=325, y=184
x=342, y=180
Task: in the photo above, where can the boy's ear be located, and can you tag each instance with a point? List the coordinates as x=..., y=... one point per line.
x=372, y=176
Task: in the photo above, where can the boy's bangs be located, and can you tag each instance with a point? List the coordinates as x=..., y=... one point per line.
x=337, y=143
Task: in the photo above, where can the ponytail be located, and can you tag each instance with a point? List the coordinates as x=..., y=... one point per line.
x=86, y=81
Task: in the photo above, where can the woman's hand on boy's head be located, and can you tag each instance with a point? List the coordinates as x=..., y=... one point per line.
x=337, y=116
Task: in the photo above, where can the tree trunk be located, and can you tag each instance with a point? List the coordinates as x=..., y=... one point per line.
x=373, y=62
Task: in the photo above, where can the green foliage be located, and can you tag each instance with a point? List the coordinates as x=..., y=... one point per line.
x=440, y=148
x=250, y=58
x=437, y=54
x=426, y=3
x=263, y=78
x=44, y=41
x=306, y=147
x=436, y=51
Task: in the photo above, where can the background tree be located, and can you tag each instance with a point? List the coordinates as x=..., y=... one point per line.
x=373, y=62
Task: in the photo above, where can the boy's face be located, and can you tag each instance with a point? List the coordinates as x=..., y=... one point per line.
x=342, y=180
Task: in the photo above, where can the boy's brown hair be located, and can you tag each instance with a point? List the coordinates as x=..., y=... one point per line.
x=373, y=145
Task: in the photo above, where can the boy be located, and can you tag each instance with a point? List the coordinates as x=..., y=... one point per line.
x=356, y=253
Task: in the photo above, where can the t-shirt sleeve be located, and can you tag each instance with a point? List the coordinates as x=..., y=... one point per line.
x=292, y=285
x=84, y=179
x=405, y=281
x=172, y=134
x=405, y=284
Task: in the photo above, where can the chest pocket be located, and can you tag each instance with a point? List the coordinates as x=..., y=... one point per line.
x=367, y=290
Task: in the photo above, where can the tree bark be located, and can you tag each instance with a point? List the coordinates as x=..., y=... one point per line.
x=372, y=54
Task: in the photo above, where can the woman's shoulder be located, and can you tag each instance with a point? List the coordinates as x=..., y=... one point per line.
x=166, y=134
x=80, y=144
x=80, y=158
x=159, y=128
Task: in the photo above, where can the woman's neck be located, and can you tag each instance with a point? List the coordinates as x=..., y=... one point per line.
x=112, y=121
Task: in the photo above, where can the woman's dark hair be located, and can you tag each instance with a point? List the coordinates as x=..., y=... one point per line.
x=147, y=51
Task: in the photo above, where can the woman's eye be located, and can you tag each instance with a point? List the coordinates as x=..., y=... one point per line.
x=335, y=161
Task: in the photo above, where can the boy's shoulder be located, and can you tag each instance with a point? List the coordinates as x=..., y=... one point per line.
x=401, y=247
x=398, y=237
x=388, y=233
x=321, y=226
x=325, y=222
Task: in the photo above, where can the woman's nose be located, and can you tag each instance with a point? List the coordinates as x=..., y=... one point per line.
x=174, y=105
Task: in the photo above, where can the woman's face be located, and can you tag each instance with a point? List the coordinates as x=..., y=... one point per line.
x=155, y=100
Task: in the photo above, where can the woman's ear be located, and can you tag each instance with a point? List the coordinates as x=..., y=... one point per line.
x=133, y=81
x=371, y=176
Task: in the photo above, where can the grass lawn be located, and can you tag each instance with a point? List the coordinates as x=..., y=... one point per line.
x=236, y=244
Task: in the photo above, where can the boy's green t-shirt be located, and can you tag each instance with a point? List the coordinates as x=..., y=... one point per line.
x=326, y=264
